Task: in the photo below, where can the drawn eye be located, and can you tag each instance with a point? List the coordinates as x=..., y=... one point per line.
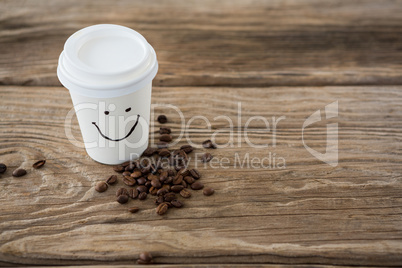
x=128, y=109
x=106, y=112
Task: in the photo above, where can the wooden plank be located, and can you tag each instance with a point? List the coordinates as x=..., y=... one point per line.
x=306, y=213
x=218, y=43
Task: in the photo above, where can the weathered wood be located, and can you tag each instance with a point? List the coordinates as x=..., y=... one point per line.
x=218, y=43
x=307, y=213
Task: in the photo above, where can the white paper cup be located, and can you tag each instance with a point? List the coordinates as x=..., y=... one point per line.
x=108, y=70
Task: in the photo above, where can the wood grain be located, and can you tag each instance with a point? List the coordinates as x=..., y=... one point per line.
x=307, y=213
x=218, y=43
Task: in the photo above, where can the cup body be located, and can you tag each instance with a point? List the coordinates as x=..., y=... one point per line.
x=108, y=70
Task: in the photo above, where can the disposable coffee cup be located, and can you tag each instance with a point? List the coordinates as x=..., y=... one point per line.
x=108, y=70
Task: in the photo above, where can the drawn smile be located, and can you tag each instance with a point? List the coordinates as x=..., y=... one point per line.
x=128, y=134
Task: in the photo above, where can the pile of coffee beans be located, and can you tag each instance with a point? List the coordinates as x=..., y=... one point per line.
x=160, y=172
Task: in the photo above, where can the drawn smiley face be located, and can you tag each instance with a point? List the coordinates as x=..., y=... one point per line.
x=127, y=135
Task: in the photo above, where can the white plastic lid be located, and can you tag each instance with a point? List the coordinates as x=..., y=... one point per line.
x=106, y=61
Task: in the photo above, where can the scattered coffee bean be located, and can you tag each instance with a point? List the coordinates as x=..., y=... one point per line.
x=129, y=181
x=118, y=168
x=136, y=174
x=164, y=153
x=197, y=185
x=176, y=203
x=189, y=179
x=165, y=130
x=101, y=186
x=162, y=191
x=142, y=196
x=209, y=144
x=145, y=257
x=111, y=180
x=208, y=191
x=141, y=180
x=126, y=173
x=185, y=193
x=162, y=119
x=121, y=191
x=122, y=199
x=195, y=174
x=177, y=188
x=178, y=179
x=39, y=164
x=3, y=168
x=156, y=183
x=142, y=189
x=187, y=148
x=169, y=197
x=165, y=137
x=159, y=200
x=149, y=152
x=133, y=193
x=19, y=172
x=125, y=164
x=162, y=209
x=153, y=190
x=206, y=157
x=134, y=209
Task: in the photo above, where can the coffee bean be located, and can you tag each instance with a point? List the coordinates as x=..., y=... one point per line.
x=3, y=168
x=148, y=184
x=126, y=173
x=187, y=148
x=163, y=176
x=111, y=180
x=185, y=193
x=153, y=190
x=176, y=203
x=209, y=144
x=129, y=181
x=197, y=185
x=177, y=188
x=162, y=209
x=184, y=172
x=195, y=174
x=19, y=172
x=178, y=179
x=125, y=164
x=134, y=209
x=149, y=152
x=121, y=191
x=208, y=191
x=136, y=174
x=169, y=180
x=206, y=157
x=165, y=130
x=101, y=186
x=189, y=179
x=141, y=180
x=171, y=172
x=184, y=183
x=164, y=153
x=162, y=191
x=156, y=183
x=118, y=168
x=159, y=200
x=162, y=119
x=169, y=197
x=39, y=164
x=129, y=168
x=144, y=258
x=133, y=193
x=153, y=169
x=152, y=177
x=165, y=137
x=142, y=189
x=142, y=196
x=122, y=199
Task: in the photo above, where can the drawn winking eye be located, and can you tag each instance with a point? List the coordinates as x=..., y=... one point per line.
x=106, y=112
x=128, y=109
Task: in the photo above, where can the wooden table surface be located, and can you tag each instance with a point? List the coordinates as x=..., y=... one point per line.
x=276, y=58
